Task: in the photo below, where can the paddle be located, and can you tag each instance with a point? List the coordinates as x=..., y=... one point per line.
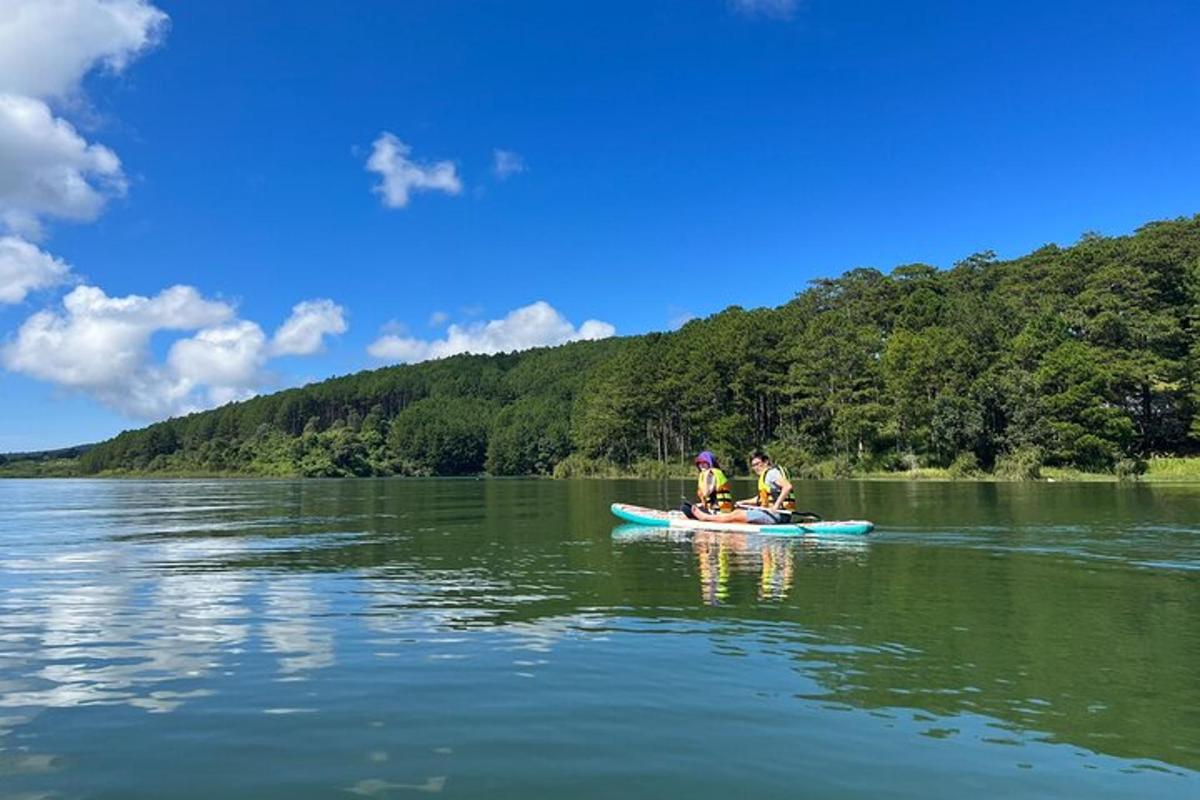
x=797, y=516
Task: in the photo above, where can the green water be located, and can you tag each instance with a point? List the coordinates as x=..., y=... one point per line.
x=388, y=639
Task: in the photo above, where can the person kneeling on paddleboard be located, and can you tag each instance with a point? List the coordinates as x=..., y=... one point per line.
x=773, y=505
x=712, y=487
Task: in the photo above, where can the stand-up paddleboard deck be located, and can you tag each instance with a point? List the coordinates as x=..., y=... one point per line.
x=676, y=519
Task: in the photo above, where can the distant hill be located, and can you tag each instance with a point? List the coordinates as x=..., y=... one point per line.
x=46, y=455
x=43, y=463
x=1084, y=355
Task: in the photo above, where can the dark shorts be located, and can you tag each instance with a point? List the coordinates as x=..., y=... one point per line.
x=761, y=516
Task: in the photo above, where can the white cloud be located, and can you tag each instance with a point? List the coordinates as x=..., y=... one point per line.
x=24, y=268
x=400, y=176
x=777, y=9
x=48, y=169
x=507, y=163
x=535, y=325
x=47, y=46
x=100, y=345
x=304, y=331
x=438, y=318
x=403, y=349
x=229, y=356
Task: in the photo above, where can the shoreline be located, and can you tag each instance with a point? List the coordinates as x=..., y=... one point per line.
x=1049, y=476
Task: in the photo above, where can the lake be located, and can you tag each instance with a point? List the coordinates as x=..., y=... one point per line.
x=504, y=639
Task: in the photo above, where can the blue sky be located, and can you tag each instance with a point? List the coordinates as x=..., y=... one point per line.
x=661, y=159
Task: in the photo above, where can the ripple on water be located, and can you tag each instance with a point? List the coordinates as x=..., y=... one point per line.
x=386, y=638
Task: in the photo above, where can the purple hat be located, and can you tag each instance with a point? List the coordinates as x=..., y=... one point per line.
x=705, y=458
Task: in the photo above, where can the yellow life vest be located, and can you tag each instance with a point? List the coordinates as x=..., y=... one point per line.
x=720, y=496
x=768, y=494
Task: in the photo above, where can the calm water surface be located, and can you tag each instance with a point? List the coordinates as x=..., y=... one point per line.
x=391, y=639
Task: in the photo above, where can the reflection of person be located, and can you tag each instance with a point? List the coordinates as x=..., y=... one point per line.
x=713, y=558
x=712, y=487
x=777, y=572
x=773, y=505
x=718, y=555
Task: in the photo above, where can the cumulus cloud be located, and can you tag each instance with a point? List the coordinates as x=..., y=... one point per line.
x=304, y=331
x=535, y=325
x=777, y=9
x=228, y=356
x=100, y=345
x=400, y=176
x=506, y=163
x=48, y=169
x=47, y=46
x=24, y=268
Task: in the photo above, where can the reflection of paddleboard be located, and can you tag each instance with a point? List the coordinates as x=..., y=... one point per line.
x=747, y=544
x=676, y=519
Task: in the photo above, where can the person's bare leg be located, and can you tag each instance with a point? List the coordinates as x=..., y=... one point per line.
x=732, y=516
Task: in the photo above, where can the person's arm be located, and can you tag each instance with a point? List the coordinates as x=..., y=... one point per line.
x=710, y=485
x=785, y=488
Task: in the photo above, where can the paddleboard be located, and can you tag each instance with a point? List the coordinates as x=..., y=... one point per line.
x=676, y=520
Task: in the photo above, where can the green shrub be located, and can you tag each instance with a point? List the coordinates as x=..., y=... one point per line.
x=651, y=468
x=580, y=466
x=1022, y=464
x=965, y=465
x=1095, y=454
x=842, y=466
x=1130, y=469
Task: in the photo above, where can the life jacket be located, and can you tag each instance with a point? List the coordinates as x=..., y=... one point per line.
x=721, y=495
x=768, y=493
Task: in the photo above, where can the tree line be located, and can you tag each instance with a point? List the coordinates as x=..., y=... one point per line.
x=1083, y=356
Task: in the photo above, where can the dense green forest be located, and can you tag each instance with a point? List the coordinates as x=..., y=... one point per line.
x=1083, y=356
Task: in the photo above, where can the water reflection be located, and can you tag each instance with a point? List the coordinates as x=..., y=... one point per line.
x=294, y=628
x=110, y=634
x=717, y=554
x=771, y=558
x=512, y=609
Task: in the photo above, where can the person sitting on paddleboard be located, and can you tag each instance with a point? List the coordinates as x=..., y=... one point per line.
x=712, y=487
x=773, y=505
x=775, y=493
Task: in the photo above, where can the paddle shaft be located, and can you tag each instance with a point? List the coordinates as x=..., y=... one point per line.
x=812, y=516
x=809, y=514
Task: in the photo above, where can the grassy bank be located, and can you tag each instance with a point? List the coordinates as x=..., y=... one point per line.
x=1169, y=469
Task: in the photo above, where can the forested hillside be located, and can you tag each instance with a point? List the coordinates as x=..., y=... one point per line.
x=1083, y=356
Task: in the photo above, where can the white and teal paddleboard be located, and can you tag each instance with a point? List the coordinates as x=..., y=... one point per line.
x=676, y=520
